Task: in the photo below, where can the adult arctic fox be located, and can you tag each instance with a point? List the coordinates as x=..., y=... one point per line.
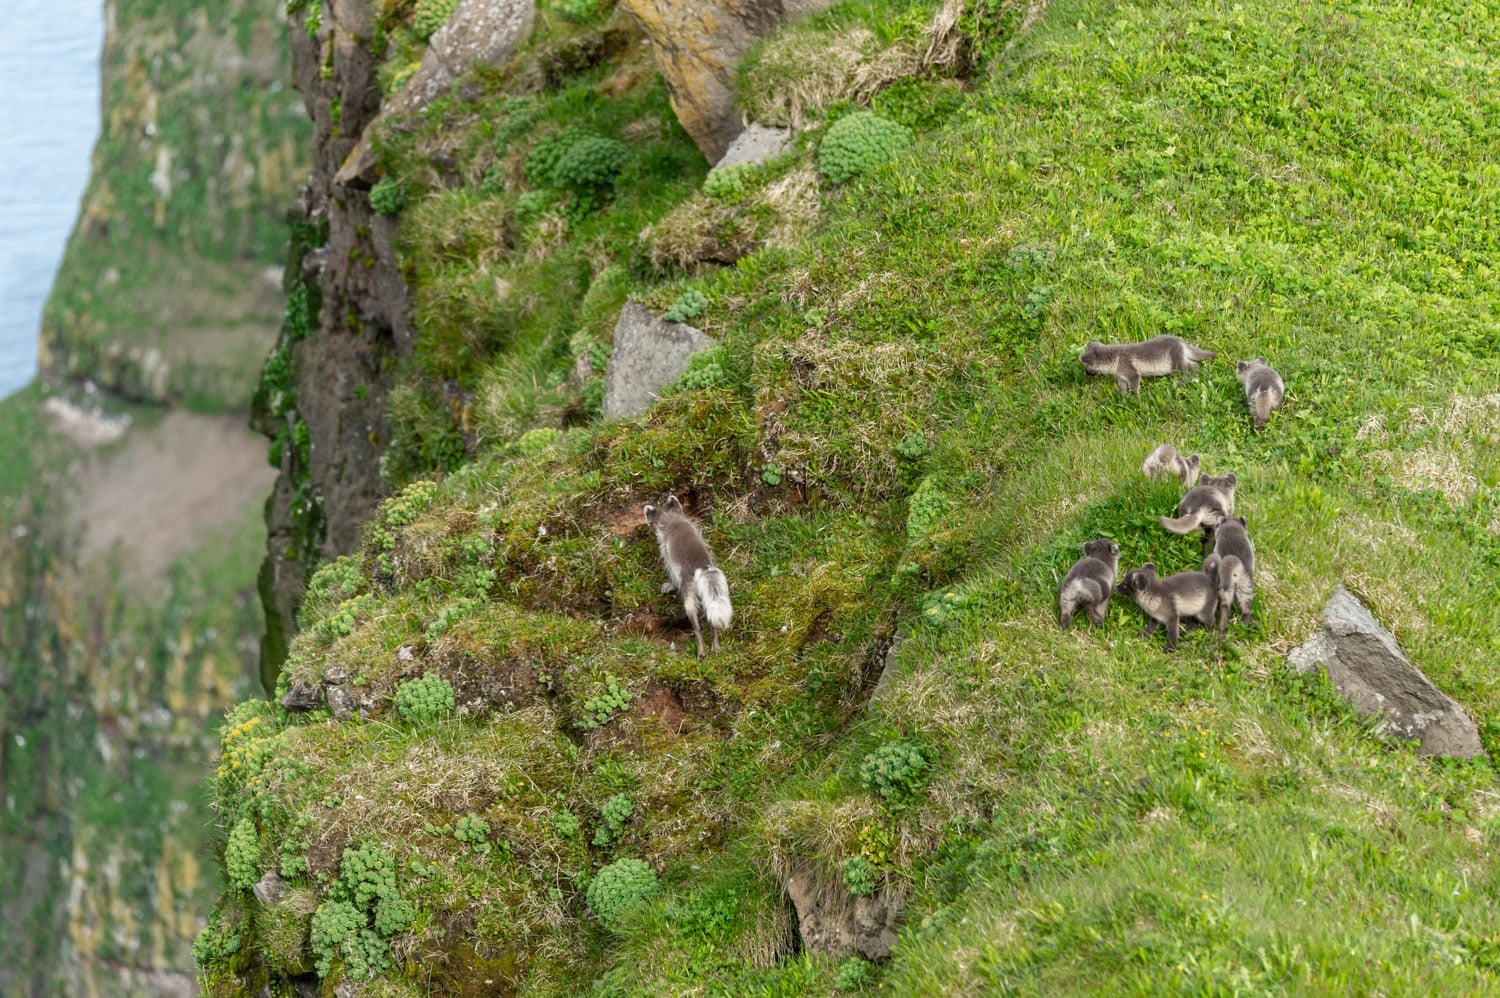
x=690, y=567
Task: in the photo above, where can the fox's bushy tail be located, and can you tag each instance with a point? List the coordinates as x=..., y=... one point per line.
x=713, y=594
x=1189, y=522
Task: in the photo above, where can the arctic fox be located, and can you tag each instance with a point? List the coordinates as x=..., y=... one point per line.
x=1168, y=601
x=1232, y=567
x=690, y=567
x=1206, y=505
x=1090, y=582
x=1165, y=461
x=1263, y=389
x=1154, y=358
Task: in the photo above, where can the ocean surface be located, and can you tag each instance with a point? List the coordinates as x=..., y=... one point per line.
x=49, y=118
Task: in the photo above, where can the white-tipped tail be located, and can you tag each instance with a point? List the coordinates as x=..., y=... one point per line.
x=713, y=594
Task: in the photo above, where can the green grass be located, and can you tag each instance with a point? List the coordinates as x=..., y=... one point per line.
x=900, y=441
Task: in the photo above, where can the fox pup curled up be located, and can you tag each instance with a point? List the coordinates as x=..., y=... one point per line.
x=690, y=569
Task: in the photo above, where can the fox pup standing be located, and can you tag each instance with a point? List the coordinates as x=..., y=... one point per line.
x=1232, y=567
x=690, y=567
x=1090, y=582
x=1129, y=362
x=1168, y=601
x=1206, y=505
x=1263, y=389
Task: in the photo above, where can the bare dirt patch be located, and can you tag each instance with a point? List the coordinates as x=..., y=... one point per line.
x=167, y=489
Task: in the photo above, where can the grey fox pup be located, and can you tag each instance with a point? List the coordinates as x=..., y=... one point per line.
x=1206, y=505
x=1166, y=461
x=1232, y=585
x=1129, y=362
x=1167, y=601
x=1091, y=581
x=1232, y=567
x=690, y=567
x=1263, y=389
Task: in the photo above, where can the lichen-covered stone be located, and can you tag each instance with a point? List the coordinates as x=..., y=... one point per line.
x=649, y=354
x=1367, y=666
x=831, y=920
x=697, y=46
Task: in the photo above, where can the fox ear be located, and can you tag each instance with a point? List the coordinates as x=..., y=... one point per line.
x=1150, y=566
x=650, y=515
x=1233, y=478
x=1241, y=365
x=673, y=506
x=1260, y=360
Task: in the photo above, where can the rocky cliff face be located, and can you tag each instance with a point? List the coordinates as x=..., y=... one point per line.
x=339, y=358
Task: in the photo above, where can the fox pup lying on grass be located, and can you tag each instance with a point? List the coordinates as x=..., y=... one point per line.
x=1090, y=582
x=1165, y=461
x=1129, y=362
x=1167, y=601
x=690, y=567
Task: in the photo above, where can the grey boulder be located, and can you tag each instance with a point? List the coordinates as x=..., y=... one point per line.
x=649, y=354
x=756, y=144
x=1367, y=666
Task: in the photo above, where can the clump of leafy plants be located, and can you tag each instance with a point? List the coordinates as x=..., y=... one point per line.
x=363, y=909
x=431, y=15
x=856, y=143
x=600, y=708
x=425, y=699
x=854, y=974
x=612, y=817
x=927, y=506
x=543, y=158
x=895, y=772
x=588, y=169
x=728, y=183
x=860, y=875
x=242, y=854
x=619, y=889
x=473, y=830
x=388, y=196
x=690, y=305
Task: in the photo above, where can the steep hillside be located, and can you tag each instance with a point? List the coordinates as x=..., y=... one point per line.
x=507, y=772
x=131, y=497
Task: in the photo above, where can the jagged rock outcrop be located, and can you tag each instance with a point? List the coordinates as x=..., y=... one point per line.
x=832, y=920
x=480, y=32
x=649, y=354
x=343, y=368
x=756, y=144
x=1365, y=663
x=697, y=46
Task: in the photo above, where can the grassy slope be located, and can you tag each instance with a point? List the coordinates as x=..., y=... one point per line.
x=1282, y=179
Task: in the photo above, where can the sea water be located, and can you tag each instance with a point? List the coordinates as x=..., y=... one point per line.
x=49, y=118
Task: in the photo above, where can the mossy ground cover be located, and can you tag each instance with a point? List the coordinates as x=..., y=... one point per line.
x=900, y=441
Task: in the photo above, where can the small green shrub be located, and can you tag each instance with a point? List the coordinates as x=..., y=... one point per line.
x=242, y=854
x=566, y=824
x=704, y=370
x=858, y=142
x=613, y=815
x=598, y=709
x=927, y=506
x=340, y=623
x=534, y=442
x=913, y=447
x=334, y=925
x=855, y=974
x=424, y=699
x=895, y=772
x=388, y=196
x=542, y=160
x=367, y=874
x=216, y=941
x=728, y=183
x=473, y=829
x=448, y=616
x=587, y=170
x=860, y=875
x=619, y=889
x=531, y=204
x=393, y=915
x=431, y=15
x=691, y=305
